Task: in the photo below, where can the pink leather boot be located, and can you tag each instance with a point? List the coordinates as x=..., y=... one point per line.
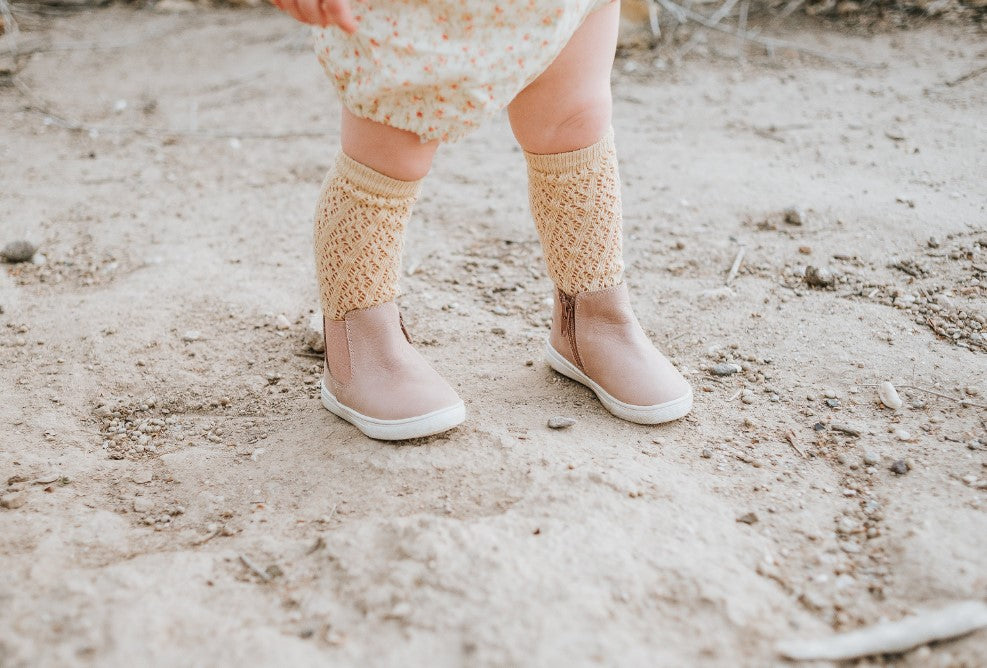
x=597, y=341
x=378, y=382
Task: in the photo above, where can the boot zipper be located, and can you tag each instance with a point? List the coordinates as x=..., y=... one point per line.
x=568, y=305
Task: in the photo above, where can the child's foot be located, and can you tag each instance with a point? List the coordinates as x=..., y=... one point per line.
x=597, y=341
x=378, y=382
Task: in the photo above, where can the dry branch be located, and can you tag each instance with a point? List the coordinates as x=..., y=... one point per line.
x=891, y=637
x=735, y=267
x=683, y=14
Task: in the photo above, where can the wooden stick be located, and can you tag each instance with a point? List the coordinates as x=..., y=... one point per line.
x=918, y=388
x=944, y=396
x=794, y=442
x=891, y=637
x=732, y=274
x=209, y=537
x=717, y=16
x=741, y=31
x=966, y=77
x=768, y=42
x=255, y=568
x=10, y=29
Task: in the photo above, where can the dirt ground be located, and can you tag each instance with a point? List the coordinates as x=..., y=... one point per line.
x=176, y=495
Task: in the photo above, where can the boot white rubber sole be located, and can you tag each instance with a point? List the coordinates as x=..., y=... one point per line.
x=428, y=424
x=666, y=412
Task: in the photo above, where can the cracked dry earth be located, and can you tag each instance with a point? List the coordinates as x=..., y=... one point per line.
x=175, y=494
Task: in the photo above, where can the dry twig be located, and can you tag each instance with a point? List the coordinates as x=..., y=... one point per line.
x=891, y=637
x=257, y=570
x=10, y=29
x=919, y=388
x=735, y=267
x=961, y=400
x=208, y=537
x=957, y=81
x=770, y=43
x=793, y=440
x=717, y=16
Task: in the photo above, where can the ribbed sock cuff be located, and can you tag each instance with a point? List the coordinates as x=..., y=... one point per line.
x=560, y=163
x=373, y=182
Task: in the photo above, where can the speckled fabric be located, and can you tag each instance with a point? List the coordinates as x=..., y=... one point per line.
x=439, y=68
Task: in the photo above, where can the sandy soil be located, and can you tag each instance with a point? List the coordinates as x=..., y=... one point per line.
x=184, y=500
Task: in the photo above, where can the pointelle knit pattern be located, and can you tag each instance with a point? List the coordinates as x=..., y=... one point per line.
x=575, y=202
x=359, y=236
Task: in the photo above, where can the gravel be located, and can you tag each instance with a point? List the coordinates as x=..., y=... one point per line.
x=725, y=369
x=900, y=467
x=889, y=396
x=560, y=422
x=13, y=500
x=18, y=251
x=819, y=277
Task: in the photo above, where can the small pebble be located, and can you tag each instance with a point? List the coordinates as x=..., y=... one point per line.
x=819, y=277
x=191, y=335
x=314, y=335
x=142, y=477
x=143, y=505
x=871, y=458
x=282, y=323
x=889, y=396
x=747, y=518
x=560, y=422
x=794, y=215
x=903, y=435
x=13, y=500
x=747, y=397
x=18, y=251
x=725, y=369
x=845, y=429
x=833, y=403
x=706, y=454
x=900, y=467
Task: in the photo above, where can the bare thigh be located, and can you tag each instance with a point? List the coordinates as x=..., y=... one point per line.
x=569, y=105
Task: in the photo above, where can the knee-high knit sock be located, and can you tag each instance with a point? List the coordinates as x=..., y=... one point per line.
x=575, y=201
x=359, y=236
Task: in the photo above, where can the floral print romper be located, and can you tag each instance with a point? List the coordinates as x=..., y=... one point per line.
x=439, y=68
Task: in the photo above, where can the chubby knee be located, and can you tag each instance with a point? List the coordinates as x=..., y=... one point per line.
x=566, y=127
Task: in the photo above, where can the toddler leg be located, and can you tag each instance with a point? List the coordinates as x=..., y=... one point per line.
x=562, y=121
x=373, y=377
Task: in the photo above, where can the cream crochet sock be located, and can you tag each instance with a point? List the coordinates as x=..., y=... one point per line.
x=575, y=201
x=359, y=236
